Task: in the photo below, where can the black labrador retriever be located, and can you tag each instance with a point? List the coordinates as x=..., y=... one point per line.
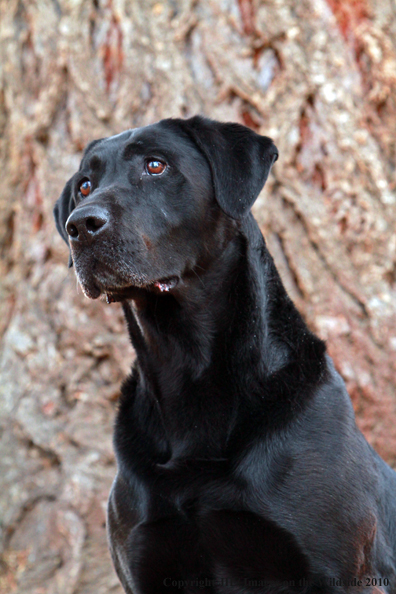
x=240, y=467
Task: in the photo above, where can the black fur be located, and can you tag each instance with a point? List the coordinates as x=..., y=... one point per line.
x=240, y=466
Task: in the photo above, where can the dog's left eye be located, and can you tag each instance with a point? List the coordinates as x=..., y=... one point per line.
x=155, y=167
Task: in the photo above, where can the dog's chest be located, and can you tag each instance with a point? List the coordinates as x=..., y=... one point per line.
x=195, y=538
x=190, y=521
x=220, y=547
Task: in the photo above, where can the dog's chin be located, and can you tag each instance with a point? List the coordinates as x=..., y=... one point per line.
x=91, y=291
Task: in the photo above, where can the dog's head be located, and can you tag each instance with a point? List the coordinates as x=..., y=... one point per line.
x=146, y=206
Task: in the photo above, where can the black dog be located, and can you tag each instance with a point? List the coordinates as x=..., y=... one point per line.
x=240, y=467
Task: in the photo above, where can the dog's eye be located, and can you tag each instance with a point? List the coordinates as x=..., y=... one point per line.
x=85, y=187
x=155, y=167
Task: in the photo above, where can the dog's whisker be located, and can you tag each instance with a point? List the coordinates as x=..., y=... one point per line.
x=198, y=277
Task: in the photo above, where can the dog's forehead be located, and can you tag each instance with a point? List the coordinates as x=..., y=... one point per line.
x=164, y=138
x=146, y=140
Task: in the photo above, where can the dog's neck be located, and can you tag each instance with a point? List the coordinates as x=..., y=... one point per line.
x=233, y=315
x=226, y=356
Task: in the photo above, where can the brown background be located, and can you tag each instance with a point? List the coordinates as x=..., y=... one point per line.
x=319, y=76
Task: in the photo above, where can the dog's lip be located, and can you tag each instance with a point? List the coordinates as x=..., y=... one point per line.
x=164, y=285
x=167, y=284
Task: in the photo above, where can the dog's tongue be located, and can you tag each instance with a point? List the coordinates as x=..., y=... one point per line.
x=166, y=284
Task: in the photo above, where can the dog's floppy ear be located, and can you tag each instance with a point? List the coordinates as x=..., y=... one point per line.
x=63, y=207
x=240, y=161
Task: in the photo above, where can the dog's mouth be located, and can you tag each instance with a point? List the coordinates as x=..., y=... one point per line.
x=113, y=294
x=164, y=285
x=97, y=278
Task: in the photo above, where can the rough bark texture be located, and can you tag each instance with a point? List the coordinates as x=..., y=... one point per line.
x=320, y=78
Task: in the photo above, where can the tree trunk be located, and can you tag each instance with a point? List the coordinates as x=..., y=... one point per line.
x=320, y=78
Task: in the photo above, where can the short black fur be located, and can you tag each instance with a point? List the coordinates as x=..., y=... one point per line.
x=240, y=466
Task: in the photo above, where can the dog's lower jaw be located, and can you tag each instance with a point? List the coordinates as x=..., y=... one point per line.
x=95, y=283
x=99, y=277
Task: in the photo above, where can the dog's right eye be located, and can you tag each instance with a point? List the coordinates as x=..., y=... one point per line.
x=85, y=187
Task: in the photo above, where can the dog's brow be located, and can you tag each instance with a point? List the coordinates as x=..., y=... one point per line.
x=95, y=163
x=132, y=147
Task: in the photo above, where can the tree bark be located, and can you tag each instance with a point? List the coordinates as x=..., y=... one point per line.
x=317, y=76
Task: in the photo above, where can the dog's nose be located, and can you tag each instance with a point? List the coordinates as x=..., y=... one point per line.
x=85, y=223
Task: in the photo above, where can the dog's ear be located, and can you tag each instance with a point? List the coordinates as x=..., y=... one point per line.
x=240, y=161
x=63, y=207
